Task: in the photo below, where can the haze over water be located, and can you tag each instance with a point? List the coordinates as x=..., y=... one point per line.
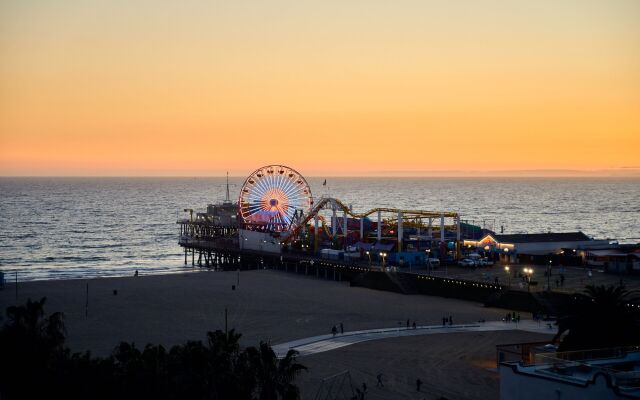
x=62, y=228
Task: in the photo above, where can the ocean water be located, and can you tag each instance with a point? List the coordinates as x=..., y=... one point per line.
x=62, y=228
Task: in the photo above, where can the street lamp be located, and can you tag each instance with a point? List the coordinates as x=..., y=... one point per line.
x=549, y=275
x=506, y=269
x=528, y=272
x=369, y=255
x=383, y=255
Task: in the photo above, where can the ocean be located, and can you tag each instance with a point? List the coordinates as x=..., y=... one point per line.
x=64, y=228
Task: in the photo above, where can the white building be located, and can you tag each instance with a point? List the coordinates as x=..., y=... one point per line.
x=258, y=241
x=606, y=374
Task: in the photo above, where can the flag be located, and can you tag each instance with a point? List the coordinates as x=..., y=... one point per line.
x=325, y=183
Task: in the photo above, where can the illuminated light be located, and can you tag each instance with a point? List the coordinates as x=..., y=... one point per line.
x=272, y=200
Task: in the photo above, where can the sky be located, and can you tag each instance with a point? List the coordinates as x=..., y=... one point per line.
x=331, y=87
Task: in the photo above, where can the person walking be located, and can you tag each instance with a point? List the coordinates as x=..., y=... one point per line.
x=334, y=330
x=444, y=321
x=408, y=323
x=341, y=329
x=418, y=384
x=450, y=320
x=414, y=324
x=364, y=387
x=379, y=380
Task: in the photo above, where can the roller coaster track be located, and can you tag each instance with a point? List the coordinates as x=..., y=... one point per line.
x=335, y=204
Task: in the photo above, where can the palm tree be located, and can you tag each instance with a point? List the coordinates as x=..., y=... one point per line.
x=600, y=318
x=30, y=345
x=274, y=378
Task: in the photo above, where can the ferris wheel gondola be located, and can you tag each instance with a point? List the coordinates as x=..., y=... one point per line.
x=272, y=197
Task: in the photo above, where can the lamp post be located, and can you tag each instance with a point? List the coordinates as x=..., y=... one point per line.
x=369, y=255
x=506, y=269
x=528, y=272
x=549, y=276
x=383, y=255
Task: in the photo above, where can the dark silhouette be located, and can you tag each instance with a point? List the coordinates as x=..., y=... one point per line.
x=334, y=330
x=414, y=324
x=379, y=380
x=450, y=320
x=408, y=324
x=600, y=318
x=364, y=387
x=418, y=384
x=34, y=363
x=341, y=328
x=136, y=273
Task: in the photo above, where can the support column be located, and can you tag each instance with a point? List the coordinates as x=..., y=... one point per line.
x=400, y=231
x=379, y=226
x=345, y=230
x=334, y=222
x=442, y=227
x=315, y=233
x=429, y=230
x=361, y=228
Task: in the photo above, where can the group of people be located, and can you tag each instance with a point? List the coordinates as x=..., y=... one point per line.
x=409, y=324
x=334, y=329
x=512, y=317
x=447, y=320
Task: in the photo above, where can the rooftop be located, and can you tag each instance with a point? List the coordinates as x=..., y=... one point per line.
x=543, y=237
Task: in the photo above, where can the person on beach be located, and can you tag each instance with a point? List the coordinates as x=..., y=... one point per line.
x=444, y=321
x=334, y=330
x=364, y=387
x=450, y=320
x=408, y=324
x=379, y=380
x=418, y=384
x=414, y=324
x=136, y=274
x=341, y=329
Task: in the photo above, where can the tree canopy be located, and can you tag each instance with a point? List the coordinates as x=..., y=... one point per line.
x=600, y=317
x=34, y=362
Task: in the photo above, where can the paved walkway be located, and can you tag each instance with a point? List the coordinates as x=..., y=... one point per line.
x=322, y=343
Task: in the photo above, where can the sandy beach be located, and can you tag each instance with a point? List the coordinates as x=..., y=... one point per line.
x=277, y=307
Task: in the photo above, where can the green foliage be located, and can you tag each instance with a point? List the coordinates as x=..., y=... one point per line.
x=34, y=363
x=600, y=318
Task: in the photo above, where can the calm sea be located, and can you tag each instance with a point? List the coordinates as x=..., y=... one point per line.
x=60, y=228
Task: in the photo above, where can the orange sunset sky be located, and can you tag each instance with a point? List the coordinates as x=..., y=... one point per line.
x=345, y=87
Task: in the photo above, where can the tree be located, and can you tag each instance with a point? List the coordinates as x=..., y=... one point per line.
x=600, y=318
x=30, y=345
x=34, y=363
x=274, y=377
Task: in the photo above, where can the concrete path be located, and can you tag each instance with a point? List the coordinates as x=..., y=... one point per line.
x=322, y=343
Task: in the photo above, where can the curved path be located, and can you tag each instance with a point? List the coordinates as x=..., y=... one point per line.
x=322, y=343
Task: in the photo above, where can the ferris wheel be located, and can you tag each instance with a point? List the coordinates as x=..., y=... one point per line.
x=271, y=198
